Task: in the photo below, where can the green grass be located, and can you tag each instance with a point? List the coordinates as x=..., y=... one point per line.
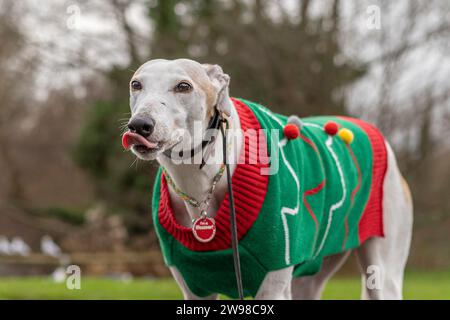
x=418, y=285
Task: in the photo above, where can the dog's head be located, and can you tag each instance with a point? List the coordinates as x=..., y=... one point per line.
x=168, y=98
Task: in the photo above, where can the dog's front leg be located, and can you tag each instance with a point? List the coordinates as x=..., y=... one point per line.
x=276, y=285
x=187, y=294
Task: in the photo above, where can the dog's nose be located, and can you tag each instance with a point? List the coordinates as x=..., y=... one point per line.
x=141, y=126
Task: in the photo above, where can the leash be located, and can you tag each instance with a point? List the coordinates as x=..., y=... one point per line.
x=217, y=121
x=233, y=224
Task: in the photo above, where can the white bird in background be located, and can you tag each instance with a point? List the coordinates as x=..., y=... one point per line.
x=4, y=245
x=59, y=275
x=49, y=247
x=18, y=246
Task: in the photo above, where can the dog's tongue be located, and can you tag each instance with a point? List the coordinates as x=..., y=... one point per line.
x=129, y=139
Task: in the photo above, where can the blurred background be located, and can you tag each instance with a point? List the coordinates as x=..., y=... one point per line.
x=69, y=194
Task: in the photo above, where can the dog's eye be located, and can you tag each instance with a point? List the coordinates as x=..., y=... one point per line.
x=136, y=85
x=183, y=87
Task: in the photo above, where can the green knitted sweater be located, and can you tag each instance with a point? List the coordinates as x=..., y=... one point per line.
x=325, y=198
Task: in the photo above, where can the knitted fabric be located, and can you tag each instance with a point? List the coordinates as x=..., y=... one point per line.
x=325, y=198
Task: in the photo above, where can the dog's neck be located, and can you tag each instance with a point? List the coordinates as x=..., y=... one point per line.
x=197, y=182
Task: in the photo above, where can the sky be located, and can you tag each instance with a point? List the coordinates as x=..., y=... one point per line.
x=60, y=30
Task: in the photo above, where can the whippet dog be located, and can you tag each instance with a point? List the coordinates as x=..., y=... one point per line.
x=171, y=97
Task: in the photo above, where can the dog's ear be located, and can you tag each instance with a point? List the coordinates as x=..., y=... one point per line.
x=220, y=81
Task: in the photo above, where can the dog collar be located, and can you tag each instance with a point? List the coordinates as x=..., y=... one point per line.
x=214, y=123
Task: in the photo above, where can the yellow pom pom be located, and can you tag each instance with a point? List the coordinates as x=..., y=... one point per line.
x=346, y=135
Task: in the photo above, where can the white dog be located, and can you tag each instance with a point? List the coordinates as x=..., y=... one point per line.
x=168, y=99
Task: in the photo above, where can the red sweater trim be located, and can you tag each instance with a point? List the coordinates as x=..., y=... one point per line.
x=371, y=222
x=249, y=190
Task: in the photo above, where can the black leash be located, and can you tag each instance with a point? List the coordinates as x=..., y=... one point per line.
x=219, y=121
x=233, y=225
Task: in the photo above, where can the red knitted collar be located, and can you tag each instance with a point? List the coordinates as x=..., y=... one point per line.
x=249, y=190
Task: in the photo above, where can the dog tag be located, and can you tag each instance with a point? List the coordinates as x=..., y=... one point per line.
x=204, y=229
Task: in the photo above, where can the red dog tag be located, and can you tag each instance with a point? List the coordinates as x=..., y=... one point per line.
x=204, y=229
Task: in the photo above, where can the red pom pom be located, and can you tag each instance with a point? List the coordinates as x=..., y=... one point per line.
x=331, y=128
x=291, y=131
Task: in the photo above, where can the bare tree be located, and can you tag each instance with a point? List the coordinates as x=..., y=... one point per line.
x=13, y=96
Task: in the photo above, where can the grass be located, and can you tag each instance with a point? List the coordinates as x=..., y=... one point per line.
x=418, y=285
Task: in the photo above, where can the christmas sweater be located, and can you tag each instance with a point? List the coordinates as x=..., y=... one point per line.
x=316, y=196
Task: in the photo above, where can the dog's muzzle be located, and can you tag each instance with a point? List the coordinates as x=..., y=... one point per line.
x=139, y=130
